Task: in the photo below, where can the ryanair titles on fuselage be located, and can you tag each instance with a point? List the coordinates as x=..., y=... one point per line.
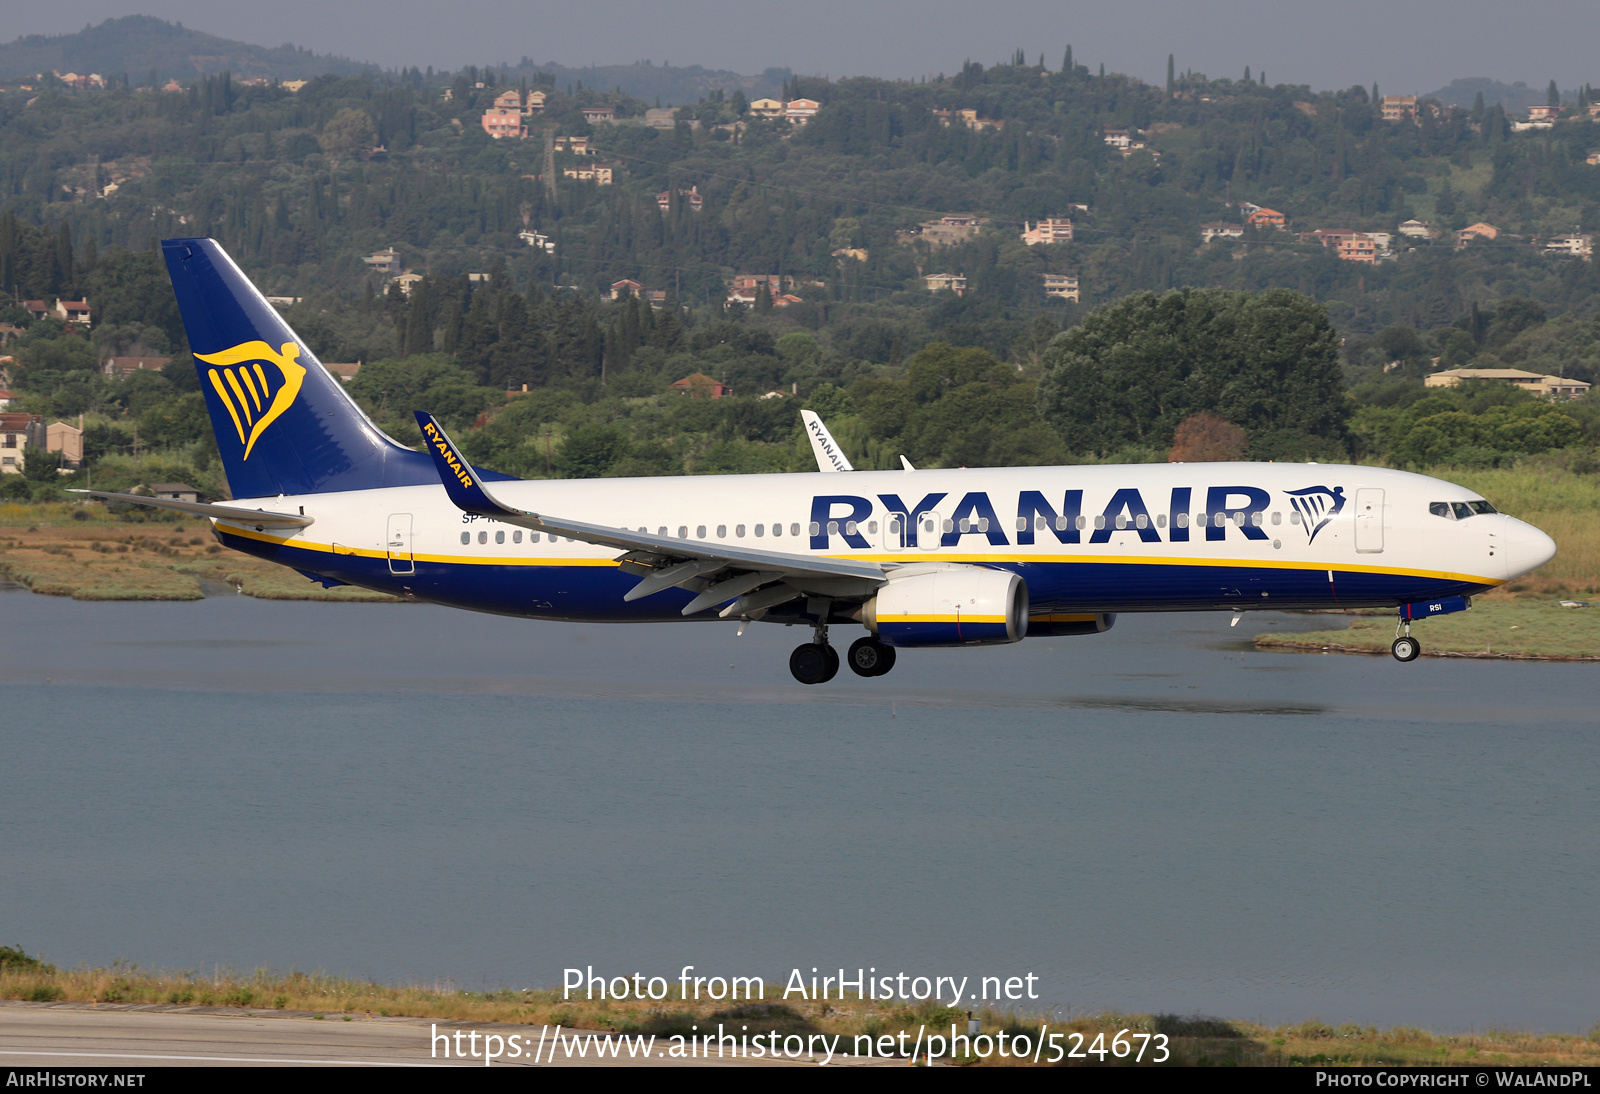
x=1241, y=508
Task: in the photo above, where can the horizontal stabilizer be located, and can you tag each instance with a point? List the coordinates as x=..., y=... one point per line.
x=259, y=518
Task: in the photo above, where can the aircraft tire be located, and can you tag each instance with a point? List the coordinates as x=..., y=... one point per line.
x=1406, y=648
x=869, y=657
x=813, y=663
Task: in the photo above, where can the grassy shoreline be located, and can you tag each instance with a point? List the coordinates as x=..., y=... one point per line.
x=1192, y=1040
x=1498, y=627
x=85, y=552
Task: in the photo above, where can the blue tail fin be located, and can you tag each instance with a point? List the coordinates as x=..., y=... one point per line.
x=284, y=424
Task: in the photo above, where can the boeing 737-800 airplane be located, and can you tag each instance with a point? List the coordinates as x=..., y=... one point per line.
x=915, y=557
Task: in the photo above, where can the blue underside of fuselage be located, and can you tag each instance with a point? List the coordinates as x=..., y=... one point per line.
x=595, y=593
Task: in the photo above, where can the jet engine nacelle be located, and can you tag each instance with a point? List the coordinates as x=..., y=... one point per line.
x=955, y=606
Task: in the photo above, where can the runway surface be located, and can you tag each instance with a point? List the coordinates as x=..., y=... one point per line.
x=134, y=1037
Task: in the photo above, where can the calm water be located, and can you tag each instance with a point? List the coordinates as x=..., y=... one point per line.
x=1158, y=818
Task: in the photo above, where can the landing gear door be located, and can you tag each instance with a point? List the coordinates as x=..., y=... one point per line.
x=398, y=544
x=1369, y=521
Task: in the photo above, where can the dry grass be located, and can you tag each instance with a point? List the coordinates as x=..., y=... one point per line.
x=86, y=553
x=1191, y=1040
x=1526, y=626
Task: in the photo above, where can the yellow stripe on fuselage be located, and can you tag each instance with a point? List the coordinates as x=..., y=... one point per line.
x=1115, y=560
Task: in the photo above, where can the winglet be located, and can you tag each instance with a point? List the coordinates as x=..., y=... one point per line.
x=830, y=457
x=460, y=478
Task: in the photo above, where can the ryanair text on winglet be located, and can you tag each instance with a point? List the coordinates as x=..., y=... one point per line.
x=447, y=455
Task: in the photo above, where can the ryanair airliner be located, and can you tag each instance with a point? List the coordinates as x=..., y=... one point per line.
x=914, y=557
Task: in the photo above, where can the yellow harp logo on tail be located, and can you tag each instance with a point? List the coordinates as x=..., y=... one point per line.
x=255, y=384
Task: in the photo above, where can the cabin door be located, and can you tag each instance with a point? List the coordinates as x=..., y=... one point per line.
x=1369, y=521
x=398, y=544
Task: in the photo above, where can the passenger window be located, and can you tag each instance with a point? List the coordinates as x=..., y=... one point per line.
x=816, y=530
x=1141, y=521
x=833, y=528
x=500, y=536
x=949, y=526
x=759, y=529
x=983, y=524
x=483, y=537
x=466, y=537
x=1277, y=518
x=738, y=530
x=1121, y=521
x=777, y=529
x=1161, y=520
x=1294, y=517
x=683, y=531
x=1100, y=521
x=872, y=527
x=1061, y=523
x=1182, y=520
x=700, y=531
x=850, y=527
x=1255, y=519
x=794, y=529
x=964, y=527
x=1083, y=522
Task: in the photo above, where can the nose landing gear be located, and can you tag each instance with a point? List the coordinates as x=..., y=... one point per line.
x=1405, y=647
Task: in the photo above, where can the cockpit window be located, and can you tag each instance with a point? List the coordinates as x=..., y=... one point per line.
x=1459, y=510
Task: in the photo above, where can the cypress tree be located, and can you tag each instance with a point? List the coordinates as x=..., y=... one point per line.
x=1553, y=95
x=1171, y=75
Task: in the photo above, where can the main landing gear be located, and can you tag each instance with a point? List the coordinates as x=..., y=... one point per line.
x=1405, y=647
x=816, y=662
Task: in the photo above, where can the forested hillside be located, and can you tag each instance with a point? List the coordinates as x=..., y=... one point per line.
x=301, y=185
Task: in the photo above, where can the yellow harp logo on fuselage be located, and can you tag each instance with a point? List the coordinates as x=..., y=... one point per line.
x=256, y=384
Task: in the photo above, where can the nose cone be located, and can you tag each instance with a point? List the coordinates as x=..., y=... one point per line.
x=1526, y=548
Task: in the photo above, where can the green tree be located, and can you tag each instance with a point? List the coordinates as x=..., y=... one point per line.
x=1133, y=370
x=347, y=132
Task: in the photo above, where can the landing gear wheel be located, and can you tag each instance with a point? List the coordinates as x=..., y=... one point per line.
x=814, y=663
x=1405, y=648
x=869, y=657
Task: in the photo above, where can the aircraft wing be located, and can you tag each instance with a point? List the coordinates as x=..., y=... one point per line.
x=717, y=571
x=258, y=518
